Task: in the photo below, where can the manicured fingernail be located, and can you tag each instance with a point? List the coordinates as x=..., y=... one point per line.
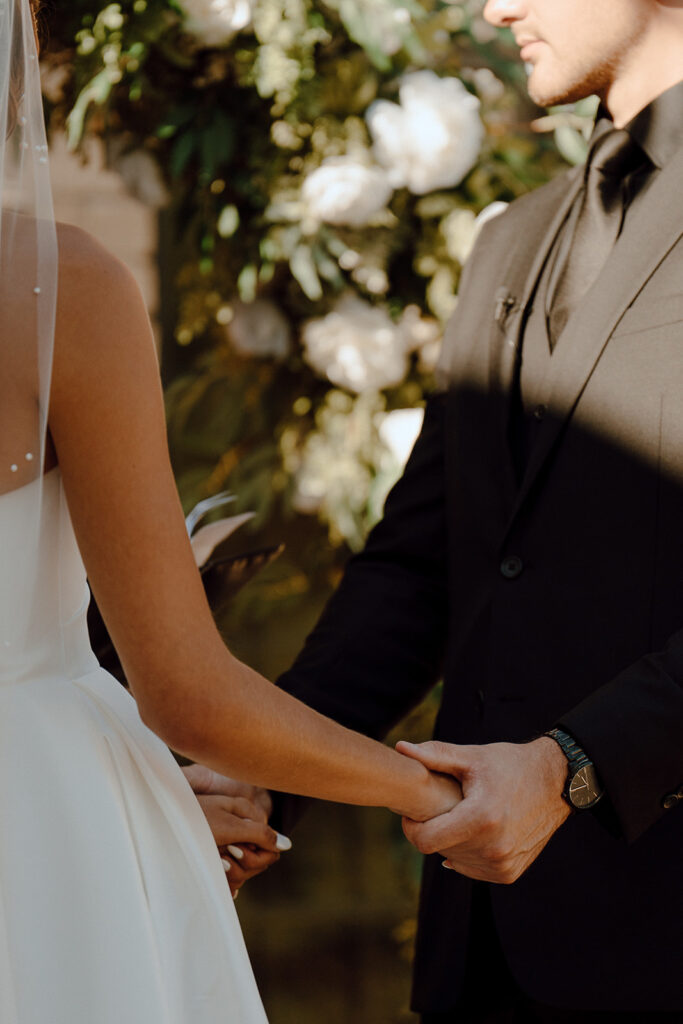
x=282, y=843
x=226, y=863
x=445, y=864
x=236, y=852
x=235, y=894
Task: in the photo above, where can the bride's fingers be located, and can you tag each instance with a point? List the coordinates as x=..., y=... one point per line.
x=253, y=863
x=227, y=829
x=242, y=830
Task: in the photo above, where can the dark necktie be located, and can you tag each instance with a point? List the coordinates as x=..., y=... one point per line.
x=613, y=157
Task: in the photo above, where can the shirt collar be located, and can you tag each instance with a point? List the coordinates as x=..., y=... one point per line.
x=657, y=128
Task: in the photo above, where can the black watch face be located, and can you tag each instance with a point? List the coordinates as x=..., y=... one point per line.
x=584, y=789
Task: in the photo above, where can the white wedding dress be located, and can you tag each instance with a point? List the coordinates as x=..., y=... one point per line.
x=114, y=908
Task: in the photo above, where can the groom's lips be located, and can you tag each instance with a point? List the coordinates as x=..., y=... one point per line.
x=528, y=45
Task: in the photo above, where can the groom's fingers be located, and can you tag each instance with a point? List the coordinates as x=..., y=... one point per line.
x=452, y=829
x=448, y=758
x=512, y=806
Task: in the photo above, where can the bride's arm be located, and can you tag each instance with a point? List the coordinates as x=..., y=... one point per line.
x=107, y=423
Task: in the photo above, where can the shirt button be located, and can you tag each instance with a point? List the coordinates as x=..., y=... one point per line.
x=511, y=567
x=670, y=800
x=539, y=412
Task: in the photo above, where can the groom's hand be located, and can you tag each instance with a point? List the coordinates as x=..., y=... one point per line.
x=512, y=804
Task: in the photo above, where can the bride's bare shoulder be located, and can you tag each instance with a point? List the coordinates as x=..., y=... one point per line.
x=84, y=260
x=96, y=290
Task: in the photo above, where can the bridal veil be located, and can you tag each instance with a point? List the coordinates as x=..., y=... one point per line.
x=28, y=288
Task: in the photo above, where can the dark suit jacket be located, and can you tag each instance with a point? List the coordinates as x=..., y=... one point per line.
x=581, y=628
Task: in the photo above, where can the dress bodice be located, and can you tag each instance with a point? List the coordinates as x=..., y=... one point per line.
x=43, y=629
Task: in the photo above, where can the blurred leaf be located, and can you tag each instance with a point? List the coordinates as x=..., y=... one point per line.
x=571, y=144
x=304, y=271
x=96, y=91
x=182, y=152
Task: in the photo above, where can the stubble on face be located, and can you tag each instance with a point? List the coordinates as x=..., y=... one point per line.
x=585, y=56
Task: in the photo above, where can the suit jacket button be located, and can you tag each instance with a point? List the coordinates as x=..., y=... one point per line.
x=539, y=412
x=511, y=567
x=670, y=800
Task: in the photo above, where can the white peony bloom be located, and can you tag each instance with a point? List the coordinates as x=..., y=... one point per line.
x=357, y=346
x=432, y=138
x=344, y=191
x=259, y=328
x=398, y=430
x=215, y=22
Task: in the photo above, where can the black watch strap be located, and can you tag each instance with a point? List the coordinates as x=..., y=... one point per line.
x=583, y=789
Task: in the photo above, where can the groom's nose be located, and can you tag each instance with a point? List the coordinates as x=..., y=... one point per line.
x=503, y=13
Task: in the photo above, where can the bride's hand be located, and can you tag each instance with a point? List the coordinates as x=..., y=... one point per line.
x=237, y=814
x=441, y=794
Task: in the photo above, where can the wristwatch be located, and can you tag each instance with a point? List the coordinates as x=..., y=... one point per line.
x=583, y=789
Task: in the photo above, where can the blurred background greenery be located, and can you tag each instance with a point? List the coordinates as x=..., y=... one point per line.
x=319, y=172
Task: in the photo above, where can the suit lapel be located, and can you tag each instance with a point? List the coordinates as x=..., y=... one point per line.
x=534, y=237
x=652, y=231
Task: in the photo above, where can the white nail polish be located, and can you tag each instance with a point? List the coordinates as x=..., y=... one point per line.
x=226, y=863
x=282, y=843
x=445, y=864
x=235, y=894
x=236, y=852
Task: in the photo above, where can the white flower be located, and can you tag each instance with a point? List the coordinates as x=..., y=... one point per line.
x=385, y=24
x=432, y=138
x=260, y=329
x=215, y=22
x=398, y=430
x=357, y=346
x=336, y=471
x=345, y=191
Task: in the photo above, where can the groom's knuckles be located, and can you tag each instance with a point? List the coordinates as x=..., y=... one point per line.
x=427, y=838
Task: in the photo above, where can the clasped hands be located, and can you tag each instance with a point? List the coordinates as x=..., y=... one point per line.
x=510, y=806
